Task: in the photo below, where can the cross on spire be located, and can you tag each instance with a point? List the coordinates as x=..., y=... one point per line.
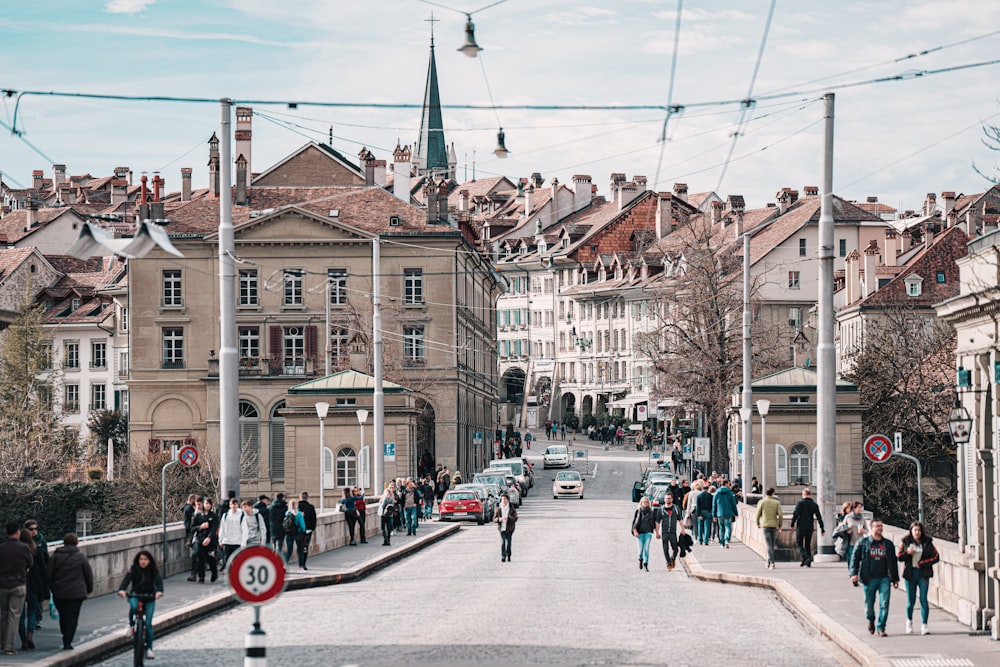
x=432, y=21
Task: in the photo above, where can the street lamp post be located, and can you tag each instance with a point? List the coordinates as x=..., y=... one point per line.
x=321, y=409
x=960, y=428
x=745, y=415
x=362, y=417
x=763, y=405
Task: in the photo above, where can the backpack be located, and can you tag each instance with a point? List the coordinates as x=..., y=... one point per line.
x=288, y=524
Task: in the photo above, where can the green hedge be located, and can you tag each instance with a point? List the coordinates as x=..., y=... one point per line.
x=54, y=504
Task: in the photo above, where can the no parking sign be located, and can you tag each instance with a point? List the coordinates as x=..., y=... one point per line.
x=878, y=448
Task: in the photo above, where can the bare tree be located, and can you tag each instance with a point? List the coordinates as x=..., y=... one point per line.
x=696, y=347
x=990, y=139
x=904, y=373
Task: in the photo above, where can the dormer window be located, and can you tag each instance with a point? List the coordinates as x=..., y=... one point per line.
x=523, y=250
x=914, y=285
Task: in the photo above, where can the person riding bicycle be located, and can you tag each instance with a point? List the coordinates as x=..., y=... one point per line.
x=146, y=583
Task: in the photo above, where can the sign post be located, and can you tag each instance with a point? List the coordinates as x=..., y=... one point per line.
x=256, y=575
x=174, y=460
x=878, y=448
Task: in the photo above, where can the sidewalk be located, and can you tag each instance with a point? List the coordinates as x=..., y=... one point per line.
x=104, y=619
x=823, y=597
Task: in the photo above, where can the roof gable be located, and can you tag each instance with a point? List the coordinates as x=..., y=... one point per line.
x=294, y=222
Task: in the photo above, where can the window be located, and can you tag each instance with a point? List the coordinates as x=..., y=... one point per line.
x=793, y=280
x=795, y=316
x=914, y=285
x=123, y=364
x=46, y=356
x=843, y=247
x=98, y=354
x=249, y=294
x=71, y=402
x=121, y=401
x=800, y=468
x=413, y=345
x=293, y=288
x=413, y=286
x=337, y=280
x=74, y=305
x=249, y=441
x=293, y=347
x=124, y=320
x=940, y=278
x=339, y=351
x=798, y=399
x=277, y=437
x=347, y=468
x=172, y=288
x=802, y=247
x=346, y=402
x=98, y=397
x=71, y=352
x=249, y=345
x=173, y=347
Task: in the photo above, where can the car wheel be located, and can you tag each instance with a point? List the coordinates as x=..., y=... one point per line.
x=581, y=496
x=555, y=497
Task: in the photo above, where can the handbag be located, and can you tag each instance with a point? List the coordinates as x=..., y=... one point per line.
x=688, y=523
x=53, y=612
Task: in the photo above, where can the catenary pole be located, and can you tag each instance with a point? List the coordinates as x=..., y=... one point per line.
x=747, y=395
x=229, y=442
x=826, y=360
x=378, y=449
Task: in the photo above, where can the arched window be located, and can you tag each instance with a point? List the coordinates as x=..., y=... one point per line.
x=347, y=467
x=277, y=432
x=249, y=441
x=801, y=470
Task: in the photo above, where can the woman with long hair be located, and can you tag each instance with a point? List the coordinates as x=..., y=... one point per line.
x=918, y=555
x=349, y=501
x=643, y=525
x=144, y=580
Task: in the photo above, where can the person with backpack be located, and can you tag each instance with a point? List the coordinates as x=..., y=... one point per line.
x=277, y=516
x=769, y=519
x=263, y=508
x=387, y=510
x=724, y=510
x=643, y=527
x=806, y=510
x=290, y=528
x=253, y=526
x=506, y=519
x=230, y=532
x=703, y=506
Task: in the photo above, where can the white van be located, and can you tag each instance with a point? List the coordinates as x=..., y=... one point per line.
x=516, y=468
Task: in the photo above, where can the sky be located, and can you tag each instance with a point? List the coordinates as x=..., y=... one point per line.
x=896, y=140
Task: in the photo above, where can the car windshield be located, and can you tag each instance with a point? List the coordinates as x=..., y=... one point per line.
x=498, y=480
x=460, y=496
x=568, y=477
x=556, y=450
x=515, y=466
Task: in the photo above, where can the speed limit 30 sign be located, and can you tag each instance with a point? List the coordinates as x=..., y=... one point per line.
x=257, y=574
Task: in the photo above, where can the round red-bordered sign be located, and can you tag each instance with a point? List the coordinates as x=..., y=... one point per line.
x=256, y=574
x=188, y=455
x=878, y=448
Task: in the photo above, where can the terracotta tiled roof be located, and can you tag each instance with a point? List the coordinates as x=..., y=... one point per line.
x=12, y=225
x=11, y=258
x=478, y=188
x=875, y=208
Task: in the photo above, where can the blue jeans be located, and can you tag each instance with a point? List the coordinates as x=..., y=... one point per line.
x=29, y=617
x=850, y=552
x=644, y=540
x=410, y=514
x=704, y=527
x=290, y=541
x=883, y=587
x=725, y=529
x=148, y=607
x=918, y=583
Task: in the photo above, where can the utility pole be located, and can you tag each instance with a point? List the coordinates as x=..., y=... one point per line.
x=378, y=448
x=826, y=360
x=229, y=378
x=747, y=395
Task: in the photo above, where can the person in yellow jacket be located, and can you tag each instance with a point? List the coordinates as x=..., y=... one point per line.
x=769, y=518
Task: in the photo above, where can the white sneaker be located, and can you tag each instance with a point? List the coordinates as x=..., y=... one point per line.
x=909, y=627
x=923, y=629
x=149, y=654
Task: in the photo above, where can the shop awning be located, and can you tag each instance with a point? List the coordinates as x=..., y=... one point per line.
x=628, y=401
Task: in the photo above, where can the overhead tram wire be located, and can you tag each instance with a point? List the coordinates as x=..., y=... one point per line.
x=670, y=91
x=749, y=101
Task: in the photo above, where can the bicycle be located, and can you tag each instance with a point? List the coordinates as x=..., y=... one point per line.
x=139, y=627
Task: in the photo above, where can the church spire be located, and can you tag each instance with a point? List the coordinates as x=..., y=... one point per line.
x=432, y=153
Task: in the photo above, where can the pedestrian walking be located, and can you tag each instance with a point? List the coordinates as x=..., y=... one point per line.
x=71, y=580
x=362, y=508
x=409, y=500
x=276, y=513
x=527, y=439
x=15, y=561
x=387, y=512
x=671, y=521
x=143, y=579
x=302, y=534
x=852, y=529
x=769, y=519
x=38, y=584
x=755, y=487
x=253, y=526
x=263, y=507
x=873, y=564
x=562, y=430
x=506, y=519
x=308, y=513
x=918, y=554
x=206, y=542
x=427, y=492
x=806, y=511
x=230, y=531
x=349, y=506
x=724, y=509
x=290, y=528
x=643, y=527
x=191, y=507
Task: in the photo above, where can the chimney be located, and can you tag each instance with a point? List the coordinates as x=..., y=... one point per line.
x=368, y=163
x=810, y=191
x=948, y=199
x=37, y=176
x=930, y=203
x=556, y=212
x=973, y=219
x=782, y=200
x=853, y=278
x=157, y=186
x=430, y=194
x=616, y=181
x=904, y=242
x=871, y=261
x=737, y=205
x=627, y=192
x=213, y=165
x=681, y=191
x=930, y=229
x=379, y=173
x=58, y=175
x=401, y=173
x=891, y=248
x=463, y=201
x=143, y=189
x=536, y=179
x=582, y=189
x=718, y=208
x=664, y=217
x=119, y=191
x=443, y=200
x=529, y=200
x=244, y=134
x=32, y=213
x=185, y=183
x=67, y=193
x=241, y=181
x=640, y=183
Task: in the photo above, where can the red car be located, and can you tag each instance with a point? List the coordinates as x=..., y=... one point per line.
x=462, y=505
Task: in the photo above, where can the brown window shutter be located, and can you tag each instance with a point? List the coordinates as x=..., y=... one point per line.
x=274, y=340
x=311, y=342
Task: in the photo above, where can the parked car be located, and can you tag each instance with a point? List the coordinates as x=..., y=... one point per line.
x=489, y=503
x=462, y=505
x=556, y=456
x=529, y=471
x=567, y=483
x=517, y=468
x=651, y=477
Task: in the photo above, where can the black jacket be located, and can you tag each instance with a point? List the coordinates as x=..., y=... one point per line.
x=277, y=514
x=15, y=560
x=803, y=515
x=308, y=514
x=861, y=560
x=70, y=576
x=141, y=581
x=669, y=522
x=644, y=520
x=927, y=558
x=212, y=532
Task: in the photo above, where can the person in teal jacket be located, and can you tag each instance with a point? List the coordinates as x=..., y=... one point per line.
x=724, y=510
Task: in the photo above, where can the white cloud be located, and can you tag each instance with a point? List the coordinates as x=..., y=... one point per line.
x=696, y=15
x=166, y=33
x=127, y=6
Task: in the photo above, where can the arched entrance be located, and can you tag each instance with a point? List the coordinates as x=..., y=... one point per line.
x=512, y=386
x=587, y=405
x=426, y=430
x=568, y=403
